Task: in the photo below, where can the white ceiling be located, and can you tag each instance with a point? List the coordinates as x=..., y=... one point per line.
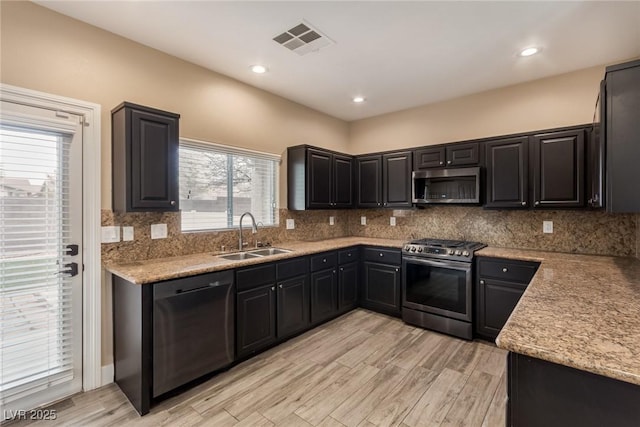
x=396, y=54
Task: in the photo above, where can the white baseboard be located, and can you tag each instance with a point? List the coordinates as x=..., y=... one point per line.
x=107, y=374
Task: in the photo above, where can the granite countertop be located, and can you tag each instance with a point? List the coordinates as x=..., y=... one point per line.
x=580, y=311
x=155, y=270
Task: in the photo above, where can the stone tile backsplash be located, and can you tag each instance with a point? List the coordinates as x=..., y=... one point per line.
x=583, y=232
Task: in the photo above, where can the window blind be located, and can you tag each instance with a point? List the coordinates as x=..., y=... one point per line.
x=219, y=183
x=35, y=299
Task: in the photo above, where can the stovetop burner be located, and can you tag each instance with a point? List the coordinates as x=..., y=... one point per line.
x=445, y=249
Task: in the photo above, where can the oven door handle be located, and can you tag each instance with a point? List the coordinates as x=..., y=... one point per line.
x=437, y=263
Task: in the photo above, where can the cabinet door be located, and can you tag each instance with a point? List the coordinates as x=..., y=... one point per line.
x=348, y=278
x=256, y=321
x=324, y=295
x=595, y=169
x=342, y=181
x=558, y=169
x=463, y=154
x=396, y=173
x=381, y=288
x=495, y=300
x=319, y=179
x=293, y=305
x=369, y=178
x=507, y=173
x=426, y=158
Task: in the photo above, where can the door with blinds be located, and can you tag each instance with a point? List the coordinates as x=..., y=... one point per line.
x=40, y=256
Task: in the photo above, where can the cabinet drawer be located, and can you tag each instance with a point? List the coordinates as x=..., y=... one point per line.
x=507, y=270
x=251, y=277
x=292, y=268
x=348, y=255
x=385, y=256
x=323, y=261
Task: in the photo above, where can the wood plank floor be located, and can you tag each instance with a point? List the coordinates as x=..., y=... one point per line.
x=362, y=369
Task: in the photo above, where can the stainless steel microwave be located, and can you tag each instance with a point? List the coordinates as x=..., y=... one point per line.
x=457, y=185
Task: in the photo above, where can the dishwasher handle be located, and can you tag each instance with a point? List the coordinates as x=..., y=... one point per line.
x=187, y=285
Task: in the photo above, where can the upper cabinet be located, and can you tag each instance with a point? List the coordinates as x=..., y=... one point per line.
x=558, y=164
x=507, y=163
x=384, y=180
x=450, y=155
x=319, y=179
x=144, y=159
x=620, y=98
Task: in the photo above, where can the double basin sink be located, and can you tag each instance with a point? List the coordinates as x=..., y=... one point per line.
x=256, y=253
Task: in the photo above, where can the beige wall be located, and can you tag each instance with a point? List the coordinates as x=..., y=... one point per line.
x=49, y=52
x=563, y=100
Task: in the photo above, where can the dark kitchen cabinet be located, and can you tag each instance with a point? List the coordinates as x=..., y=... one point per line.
x=319, y=179
x=620, y=99
x=381, y=280
x=144, y=159
x=324, y=287
x=293, y=299
x=348, y=279
x=507, y=162
x=558, y=165
x=595, y=169
x=449, y=155
x=499, y=286
x=384, y=180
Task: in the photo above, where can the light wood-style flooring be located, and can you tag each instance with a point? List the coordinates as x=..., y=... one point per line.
x=362, y=369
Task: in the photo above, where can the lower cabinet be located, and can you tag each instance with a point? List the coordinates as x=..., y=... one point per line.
x=348, y=279
x=324, y=295
x=292, y=305
x=499, y=286
x=256, y=317
x=381, y=281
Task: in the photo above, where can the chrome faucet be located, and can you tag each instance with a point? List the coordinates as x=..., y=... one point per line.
x=254, y=228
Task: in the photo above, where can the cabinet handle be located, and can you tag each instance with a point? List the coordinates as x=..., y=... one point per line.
x=537, y=203
x=324, y=260
x=448, y=162
x=349, y=255
x=397, y=269
x=482, y=282
x=334, y=272
x=524, y=203
x=273, y=288
x=505, y=269
x=442, y=163
x=341, y=269
x=385, y=203
x=280, y=286
x=173, y=203
x=378, y=204
x=381, y=254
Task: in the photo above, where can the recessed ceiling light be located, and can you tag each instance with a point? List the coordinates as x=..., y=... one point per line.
x=529, y=51
x=259, y=69
x=358, y=99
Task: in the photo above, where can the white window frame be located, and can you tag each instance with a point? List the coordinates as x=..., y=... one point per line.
x=91, y=205
x=227, y=149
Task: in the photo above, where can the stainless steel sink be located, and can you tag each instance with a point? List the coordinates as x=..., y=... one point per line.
x=269, y=251
x=256, y=253
x=239, y=256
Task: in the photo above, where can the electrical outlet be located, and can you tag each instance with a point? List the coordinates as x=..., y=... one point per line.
x=158, y=231
x=291, y=224
x=127, y=234
x=110, y=234
x=547, y=227
x=363, y=220
x=392, y=221
x=332, y=220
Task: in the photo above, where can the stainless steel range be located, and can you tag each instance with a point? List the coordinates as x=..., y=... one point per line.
x=437, y=285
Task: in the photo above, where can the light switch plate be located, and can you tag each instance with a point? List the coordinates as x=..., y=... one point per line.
x=363, y=220
x=127, y=233
x=392, y=221
x=547, y=227
x=110, y=234
x=158, y=231
x=291, y=224
x=332, y=220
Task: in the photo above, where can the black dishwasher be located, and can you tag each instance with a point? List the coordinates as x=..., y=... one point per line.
x=193, y=328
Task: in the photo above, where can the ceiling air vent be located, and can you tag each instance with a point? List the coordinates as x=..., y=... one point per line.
x=303, y=38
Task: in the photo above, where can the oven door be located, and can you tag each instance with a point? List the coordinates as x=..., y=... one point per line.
x=437, y=286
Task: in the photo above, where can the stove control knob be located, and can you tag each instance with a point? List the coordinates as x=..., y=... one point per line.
x=406, y=248
x=465, y=253
x=450, y=251
x=413, y=248
x=458, y=252
x=419, y=248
